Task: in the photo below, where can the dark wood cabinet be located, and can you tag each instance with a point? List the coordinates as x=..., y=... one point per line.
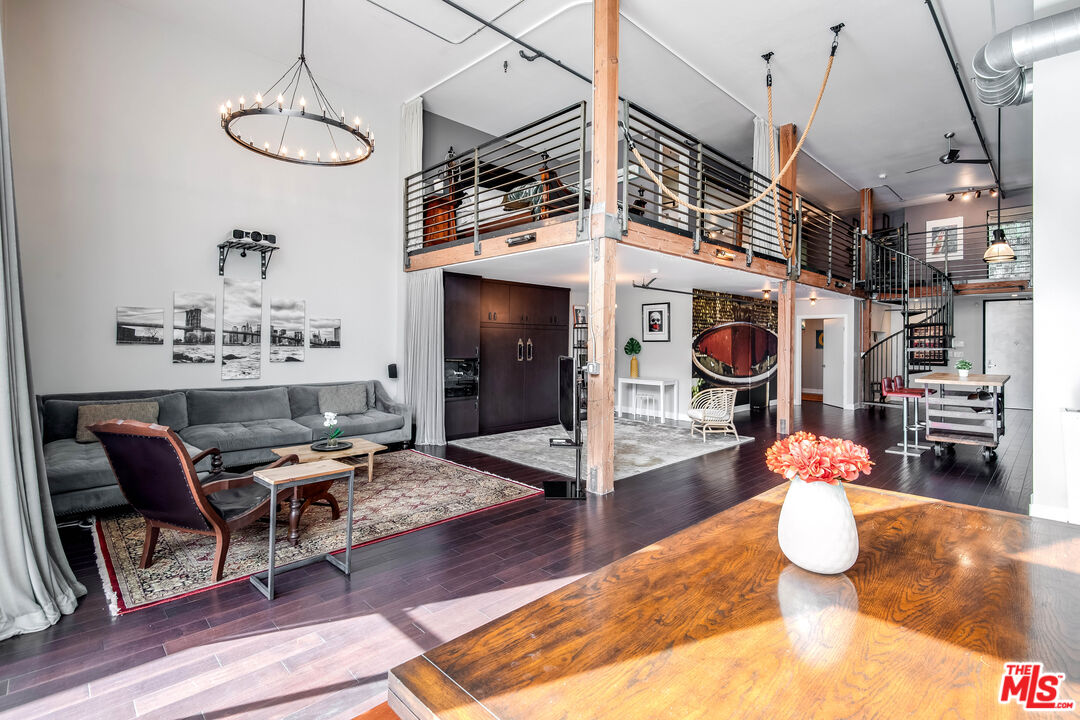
x=462, y=302
x=495, y=303
x=521, y=330
x=502, y=375
x=462, y=417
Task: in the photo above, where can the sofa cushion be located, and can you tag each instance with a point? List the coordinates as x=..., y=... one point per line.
x=142, y=410
x=72, y=465
x=209, y=407
x=303, y=400
x=344, y=399
x=60, y=416
x=373, y=421
x=230, y=436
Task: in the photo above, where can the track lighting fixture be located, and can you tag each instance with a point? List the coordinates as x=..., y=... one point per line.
x=966, y=196
x=993, y=192
x=950, y=197
x=978, y=194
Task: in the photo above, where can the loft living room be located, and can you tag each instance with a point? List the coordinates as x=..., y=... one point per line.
x=517, y=358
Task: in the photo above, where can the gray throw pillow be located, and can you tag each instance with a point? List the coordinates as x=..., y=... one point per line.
x=344, y=399
x=144, y=411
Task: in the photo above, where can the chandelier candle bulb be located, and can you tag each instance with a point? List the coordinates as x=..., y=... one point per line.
x=301, y=154
x=258, y=100
x=303, y=104
x=241, y=102
x=280, y=102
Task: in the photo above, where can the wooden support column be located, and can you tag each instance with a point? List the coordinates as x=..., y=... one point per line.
x=785, y=346
x=603, y=234
x=785, y=301
x=785, y=145
x=866, y=225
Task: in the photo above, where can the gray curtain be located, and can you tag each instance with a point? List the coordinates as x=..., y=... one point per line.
x=424, y=354
x=36, y=582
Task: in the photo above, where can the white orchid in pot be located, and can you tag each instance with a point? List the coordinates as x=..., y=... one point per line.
x=334, y=432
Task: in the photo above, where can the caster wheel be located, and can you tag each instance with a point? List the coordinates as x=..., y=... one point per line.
x=938, y=450
x=952, y=449
x=989, y=455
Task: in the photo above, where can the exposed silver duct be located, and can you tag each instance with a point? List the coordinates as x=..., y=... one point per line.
x=1003, y=65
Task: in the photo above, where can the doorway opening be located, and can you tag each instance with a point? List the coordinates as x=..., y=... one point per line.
x=821, y=360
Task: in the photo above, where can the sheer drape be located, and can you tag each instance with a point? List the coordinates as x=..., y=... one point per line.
x=36, y=582
x=424, y=354
x=764, y=224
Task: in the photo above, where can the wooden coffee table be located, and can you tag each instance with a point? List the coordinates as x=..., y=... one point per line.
x=303, y=497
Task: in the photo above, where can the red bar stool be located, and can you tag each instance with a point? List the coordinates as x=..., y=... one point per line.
x=894, y=388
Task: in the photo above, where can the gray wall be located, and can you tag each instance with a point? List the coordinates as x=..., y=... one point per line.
x=968, y=329
x=441, y=133
x=973, y=211
x=812, y=357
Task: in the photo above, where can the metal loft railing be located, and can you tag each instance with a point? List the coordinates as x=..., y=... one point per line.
x=703, y=176
x=522, y=180
x=963, y=260
x=921, y=297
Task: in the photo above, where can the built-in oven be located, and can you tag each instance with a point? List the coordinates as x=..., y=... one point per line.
x=461, y=377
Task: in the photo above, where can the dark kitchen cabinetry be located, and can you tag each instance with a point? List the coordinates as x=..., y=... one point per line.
x=495, y=302
x=518, y=331
x=462, y=300
x=462, y=417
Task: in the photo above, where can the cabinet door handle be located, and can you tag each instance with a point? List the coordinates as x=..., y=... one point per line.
x=496, y=314
x=520, y=350
x=530, y=356
x=489, y=316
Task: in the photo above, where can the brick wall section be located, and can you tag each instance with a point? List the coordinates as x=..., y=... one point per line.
x=713, y=308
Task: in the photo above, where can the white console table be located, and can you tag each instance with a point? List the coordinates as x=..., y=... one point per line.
x=662, y=384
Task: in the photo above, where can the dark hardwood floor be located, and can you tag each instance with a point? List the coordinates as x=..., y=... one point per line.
x=323, y=648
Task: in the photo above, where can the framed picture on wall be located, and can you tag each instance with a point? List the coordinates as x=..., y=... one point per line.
x=581, y=319
x=656, y=322
x=945, y=236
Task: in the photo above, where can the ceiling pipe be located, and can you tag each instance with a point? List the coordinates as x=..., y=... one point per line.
x=1003, y=65
x=963, y=91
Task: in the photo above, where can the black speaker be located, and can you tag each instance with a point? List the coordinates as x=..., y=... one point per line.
x=391, y=370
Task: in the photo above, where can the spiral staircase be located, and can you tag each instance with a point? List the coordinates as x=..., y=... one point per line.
x=923, y=296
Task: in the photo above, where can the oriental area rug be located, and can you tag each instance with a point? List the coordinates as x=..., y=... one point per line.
x=639, y=446
x=410, y=491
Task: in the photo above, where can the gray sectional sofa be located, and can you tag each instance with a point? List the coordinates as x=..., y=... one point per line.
x=244, y=423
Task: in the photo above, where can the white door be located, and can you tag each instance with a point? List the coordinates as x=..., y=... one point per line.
x=1007, y=327
x=832, y=369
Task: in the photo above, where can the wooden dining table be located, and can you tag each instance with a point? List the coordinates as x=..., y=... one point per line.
x=715, y=622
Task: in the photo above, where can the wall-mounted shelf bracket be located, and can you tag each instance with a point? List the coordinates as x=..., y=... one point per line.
x=266, y=252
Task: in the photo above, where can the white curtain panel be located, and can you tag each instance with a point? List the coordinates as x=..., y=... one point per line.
x=412, y=137
x=36, y=582
x=764, y=224
x=424, y=354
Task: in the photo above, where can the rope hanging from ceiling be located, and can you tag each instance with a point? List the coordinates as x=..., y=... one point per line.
x=785, y=248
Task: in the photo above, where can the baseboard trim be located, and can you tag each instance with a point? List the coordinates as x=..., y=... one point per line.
x=1050, y=512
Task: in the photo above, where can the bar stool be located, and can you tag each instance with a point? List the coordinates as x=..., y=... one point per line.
x=894, y=387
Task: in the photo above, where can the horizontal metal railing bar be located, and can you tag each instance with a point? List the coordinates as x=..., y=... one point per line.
x=572, y=162
x=572, y=130
x=569, y=108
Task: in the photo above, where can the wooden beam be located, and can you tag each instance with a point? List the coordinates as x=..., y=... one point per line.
x=563, y=233
x=603, y=233
x=785, y=146
x=785, y=346
x=866, y=225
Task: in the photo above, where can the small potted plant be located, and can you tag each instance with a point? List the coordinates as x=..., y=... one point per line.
x=963, y=367
x=334, y=432
x=632, y=348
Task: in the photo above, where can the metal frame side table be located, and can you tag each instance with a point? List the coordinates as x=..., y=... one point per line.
x=290, y=476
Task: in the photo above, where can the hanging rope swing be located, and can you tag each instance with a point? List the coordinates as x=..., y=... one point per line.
x=785, y=248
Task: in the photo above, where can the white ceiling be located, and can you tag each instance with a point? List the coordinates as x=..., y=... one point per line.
x=567, y=266
x=696, y=63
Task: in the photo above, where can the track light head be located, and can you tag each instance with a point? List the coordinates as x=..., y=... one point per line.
x=950, y=197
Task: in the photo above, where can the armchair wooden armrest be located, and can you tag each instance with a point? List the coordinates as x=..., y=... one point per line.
x=216, y=465
x=214, y=486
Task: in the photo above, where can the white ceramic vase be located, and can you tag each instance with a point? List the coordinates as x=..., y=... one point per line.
x=817, y=528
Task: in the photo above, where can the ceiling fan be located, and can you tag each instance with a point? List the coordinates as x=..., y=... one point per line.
x=952, y=155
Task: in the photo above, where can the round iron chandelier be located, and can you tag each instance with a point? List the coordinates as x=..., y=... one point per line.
x=348, y=144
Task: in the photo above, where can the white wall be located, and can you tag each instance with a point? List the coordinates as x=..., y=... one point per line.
x=1054, y=265
x=657, y=360
x=125, y=183
x=824, y=308
x=813, y=357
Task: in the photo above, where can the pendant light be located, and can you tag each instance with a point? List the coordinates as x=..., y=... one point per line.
x=999, y=250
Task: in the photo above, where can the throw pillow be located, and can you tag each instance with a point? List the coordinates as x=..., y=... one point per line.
x=146, y=412
x=344, y=399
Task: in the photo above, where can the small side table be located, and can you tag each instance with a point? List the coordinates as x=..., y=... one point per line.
x=291, y=476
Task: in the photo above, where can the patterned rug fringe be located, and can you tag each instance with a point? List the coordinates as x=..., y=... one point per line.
x=103, y=570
